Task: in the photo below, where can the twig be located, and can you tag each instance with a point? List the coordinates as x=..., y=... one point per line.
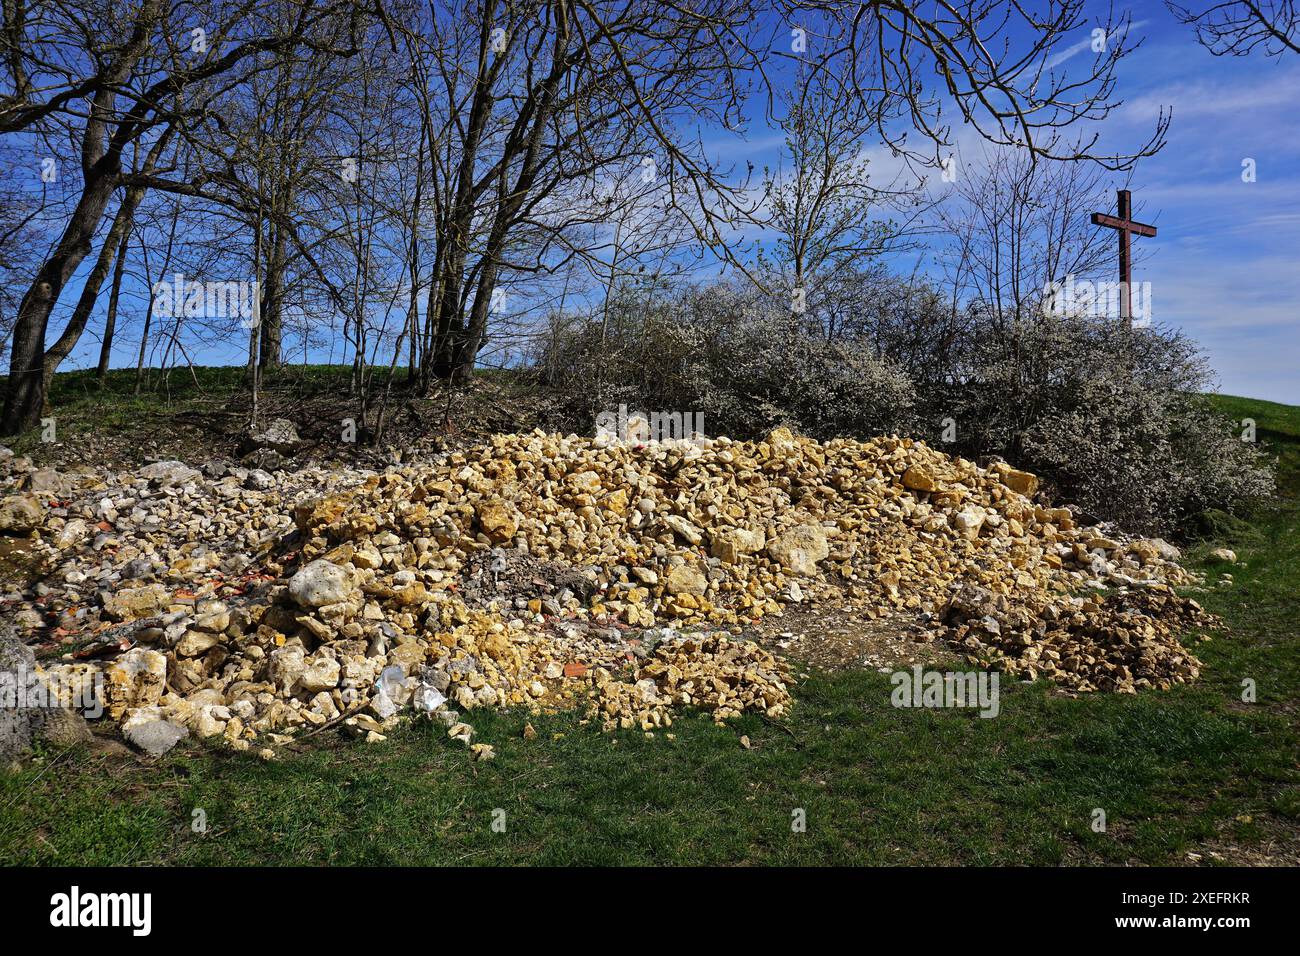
x=772, y=723
x=327, y=725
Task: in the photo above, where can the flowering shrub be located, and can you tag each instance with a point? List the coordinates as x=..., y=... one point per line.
x=1110, y=416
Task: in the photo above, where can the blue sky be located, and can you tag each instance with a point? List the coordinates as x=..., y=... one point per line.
x=1225, y=267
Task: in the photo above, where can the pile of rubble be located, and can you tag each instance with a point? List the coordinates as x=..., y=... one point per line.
x=544, y=571
x=1123, y=641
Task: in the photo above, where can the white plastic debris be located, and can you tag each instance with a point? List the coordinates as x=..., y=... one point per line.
x=382, y=704
x=427, y=699
x=392, y=690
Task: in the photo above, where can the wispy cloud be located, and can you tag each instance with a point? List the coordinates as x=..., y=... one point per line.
x=1086, y=44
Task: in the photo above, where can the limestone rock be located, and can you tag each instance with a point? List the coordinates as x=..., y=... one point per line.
x=645, y=575
x=496, y=522
x=21, y=514
x=1021, y=481
x=147, y=729
x=279, y=435
x=684, y=529
x=72, y=533
x=285, y=667
x=212, y=616
x=1164, y=550
x=321, y=583
x=48, y=483
x=731, y=544
x=919, y=478
x=131, y=603
x=136, y=679
x=685, y=579
x=969, y=521
x=259, y=480
x=320, y=674
x=196, y=643
x=799, y=549
x=166, y=474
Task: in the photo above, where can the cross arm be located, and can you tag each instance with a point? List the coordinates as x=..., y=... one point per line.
x=1114, y=222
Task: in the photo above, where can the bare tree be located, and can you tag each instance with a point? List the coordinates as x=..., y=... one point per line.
x=1018, y=229
x=995, y=61
x=559, y=91
x=1016, y=226
x=136, y=77
x=477, y=131
x=1239, y=27
x=831, y=219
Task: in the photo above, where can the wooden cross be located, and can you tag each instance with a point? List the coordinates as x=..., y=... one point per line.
x=1126, y=227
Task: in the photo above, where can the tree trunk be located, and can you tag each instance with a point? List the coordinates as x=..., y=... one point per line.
x=114, y=243
x=451, y=323
x=472, y=340
x=144, y=343
x=110, y=321
x=101, y=157
x=432, y=321
x=272, y=314
x=25, y=396
x=510, y=200
x=451, y=320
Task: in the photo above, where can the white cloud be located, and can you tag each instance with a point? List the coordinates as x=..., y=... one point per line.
x=1086, y=44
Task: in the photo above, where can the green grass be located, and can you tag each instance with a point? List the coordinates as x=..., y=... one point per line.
x=1171, y=770
x=82, y=406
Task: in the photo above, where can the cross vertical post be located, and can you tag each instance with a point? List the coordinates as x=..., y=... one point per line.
x=1127, y=228
x=1125, y=205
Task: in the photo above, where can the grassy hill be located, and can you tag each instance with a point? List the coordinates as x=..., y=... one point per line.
x=197, y=414
x=1192, y=775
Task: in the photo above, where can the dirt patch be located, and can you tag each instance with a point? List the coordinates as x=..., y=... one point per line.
x=834, y=636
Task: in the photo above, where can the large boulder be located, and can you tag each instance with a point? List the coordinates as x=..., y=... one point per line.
x=279, y=435
x=167, y=474
x=321, y=583
x=21, y=514
x=799, y=549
